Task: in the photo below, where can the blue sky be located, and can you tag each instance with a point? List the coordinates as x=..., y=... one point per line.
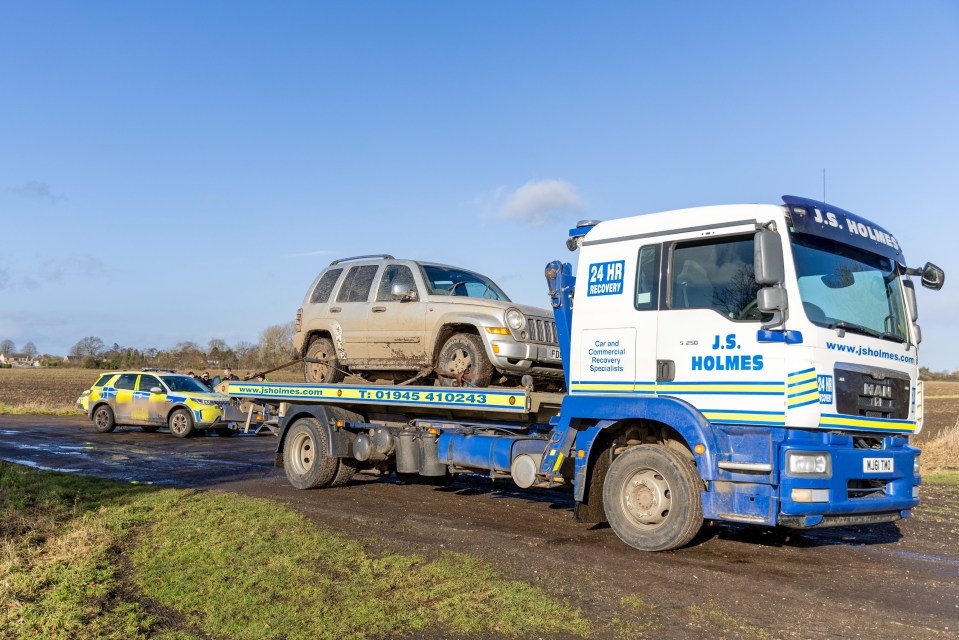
x=181, y=170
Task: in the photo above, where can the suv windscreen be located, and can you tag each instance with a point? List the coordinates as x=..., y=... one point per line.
x=446, y=281
x=184, y=384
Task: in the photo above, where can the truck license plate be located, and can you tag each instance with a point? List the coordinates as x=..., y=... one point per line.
x=877, y=465
x=553, y=354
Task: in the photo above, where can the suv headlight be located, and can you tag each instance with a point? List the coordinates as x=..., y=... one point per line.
x=808, y=464
x=515, y=319
x=203, y=401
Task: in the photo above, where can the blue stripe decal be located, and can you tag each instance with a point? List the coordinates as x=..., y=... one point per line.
x=799, y=373
x=803, y=404
x=848, y=417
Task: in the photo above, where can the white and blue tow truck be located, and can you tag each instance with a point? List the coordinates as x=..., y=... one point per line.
x=740, y=363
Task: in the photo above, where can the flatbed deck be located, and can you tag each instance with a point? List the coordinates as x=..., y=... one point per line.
x=436, y=401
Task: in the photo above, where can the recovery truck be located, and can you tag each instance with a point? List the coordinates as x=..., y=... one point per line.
x=743, y=363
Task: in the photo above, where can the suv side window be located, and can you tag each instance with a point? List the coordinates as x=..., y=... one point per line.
x=715, y=274
x=324, y=287
x=148, y=382
x=395, y=274
x=126, y=381
x=647, y=278
x=357, y=284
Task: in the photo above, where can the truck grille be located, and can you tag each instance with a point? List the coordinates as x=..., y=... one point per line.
x=872, y=392
x=541, y=330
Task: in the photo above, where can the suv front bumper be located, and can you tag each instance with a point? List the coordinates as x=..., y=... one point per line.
x=523, y=357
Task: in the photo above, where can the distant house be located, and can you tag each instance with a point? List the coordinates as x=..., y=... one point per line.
x=17, y=359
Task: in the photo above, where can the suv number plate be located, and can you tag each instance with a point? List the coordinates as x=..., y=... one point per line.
x=877, y=465
x=553, y=354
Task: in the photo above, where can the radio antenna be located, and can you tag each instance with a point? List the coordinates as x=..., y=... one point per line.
x=824, y=184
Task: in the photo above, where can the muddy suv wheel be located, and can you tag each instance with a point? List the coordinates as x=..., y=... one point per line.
x=181, y=423
x=103, y=420
x=464, y=353
x=328, y=371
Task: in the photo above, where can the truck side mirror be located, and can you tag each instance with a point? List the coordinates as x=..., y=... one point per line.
x=768, y=258
x=909, y=293
x=933, y=277
x=402, y=292
x=773, y=300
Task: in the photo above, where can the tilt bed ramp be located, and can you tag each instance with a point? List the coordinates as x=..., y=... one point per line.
x=715, y=369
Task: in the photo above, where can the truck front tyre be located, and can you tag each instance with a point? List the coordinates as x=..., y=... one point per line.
x=462, y=353
x=305, y=460
x=652, y=498
x=103, y=420
x=328, y=370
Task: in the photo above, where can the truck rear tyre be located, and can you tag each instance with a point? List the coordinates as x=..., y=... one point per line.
x=305, y=460
x=652, y=498
x=464, y=352
x=329, y=370
x=181, y=423
x=103, y=419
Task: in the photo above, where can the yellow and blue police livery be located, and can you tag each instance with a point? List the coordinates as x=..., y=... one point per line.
x=152, y=399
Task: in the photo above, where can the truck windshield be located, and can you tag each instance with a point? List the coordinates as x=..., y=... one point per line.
x=458, y=282
x=844, y=287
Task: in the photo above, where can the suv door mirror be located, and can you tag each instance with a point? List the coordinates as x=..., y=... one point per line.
x=156, y=390
x=933, y=277
x=402, y=292
x=768, y=258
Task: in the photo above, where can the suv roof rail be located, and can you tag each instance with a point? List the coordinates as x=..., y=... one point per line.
x=158, y=369
x=384, y=256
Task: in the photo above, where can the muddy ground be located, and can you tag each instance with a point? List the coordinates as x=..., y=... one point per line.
x=892, y=581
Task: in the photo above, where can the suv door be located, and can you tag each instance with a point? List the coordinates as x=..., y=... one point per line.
x=397, y=326
x=351, y=310
x=149, y=407
x=123, y=402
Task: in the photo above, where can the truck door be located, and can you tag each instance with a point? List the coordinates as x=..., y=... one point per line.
x=397, y=325
x=351, y=310
x=708, y=350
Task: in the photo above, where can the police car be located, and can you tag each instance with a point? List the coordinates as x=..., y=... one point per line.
x=152, y=399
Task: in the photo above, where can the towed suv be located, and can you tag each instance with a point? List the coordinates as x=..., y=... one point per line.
x=385, y=318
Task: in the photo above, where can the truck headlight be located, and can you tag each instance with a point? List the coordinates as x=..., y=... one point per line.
x=515, y=319
x=915, y=466
x=808, y=464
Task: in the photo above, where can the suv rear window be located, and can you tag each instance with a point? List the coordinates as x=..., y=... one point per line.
x=357, y=284
x=103, y=380
x=325, y=286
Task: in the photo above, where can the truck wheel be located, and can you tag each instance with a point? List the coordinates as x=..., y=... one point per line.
x=345, y=470
x=103, y=420
x=329, y=371
x=464, y=352
x=652, y=498
x=305, y=459
x=181, y=423
x=150, y=428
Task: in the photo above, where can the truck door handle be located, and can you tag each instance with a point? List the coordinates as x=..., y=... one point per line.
x=335, y=309
x=378, y=309
x=665, y=371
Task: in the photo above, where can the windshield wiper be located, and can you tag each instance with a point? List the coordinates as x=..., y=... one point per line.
x=858, y=328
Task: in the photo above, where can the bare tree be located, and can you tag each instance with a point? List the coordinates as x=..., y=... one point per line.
x=276, y=344
x=7, y=347
x=30, y=349
x=89, y=347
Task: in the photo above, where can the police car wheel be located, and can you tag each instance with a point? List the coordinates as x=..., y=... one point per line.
x=181, y=423
x=305, y=461
x=103, y=419
x=652, y=500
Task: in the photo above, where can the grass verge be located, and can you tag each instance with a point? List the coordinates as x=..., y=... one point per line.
x=941, y=454
x=88, y=558
x=37, y=409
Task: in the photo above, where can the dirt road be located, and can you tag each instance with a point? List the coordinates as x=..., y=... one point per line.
x=887, y=582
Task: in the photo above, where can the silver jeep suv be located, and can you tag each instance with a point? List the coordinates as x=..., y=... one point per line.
x=384, y=318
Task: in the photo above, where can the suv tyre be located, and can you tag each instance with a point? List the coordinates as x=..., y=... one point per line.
x=464, y=352
x=328, y=373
